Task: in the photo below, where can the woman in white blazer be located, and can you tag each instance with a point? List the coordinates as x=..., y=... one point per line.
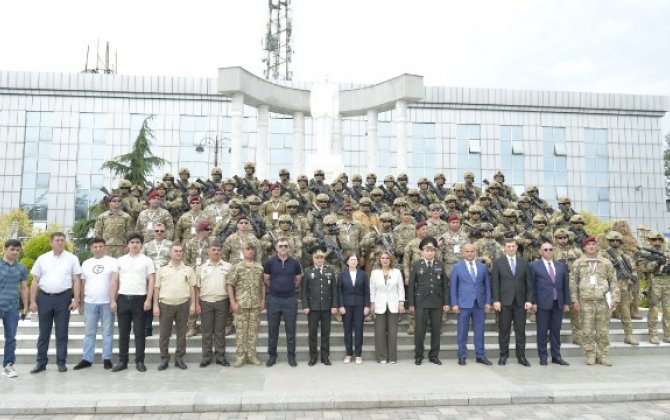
x=387, y=299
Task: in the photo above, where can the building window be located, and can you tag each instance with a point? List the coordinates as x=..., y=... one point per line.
x=90, y=157
x=512, y=155
x=468, y=137
x=281, y=145
x=425, y=154
x=192, y=129
x=597, y=172
x=37, y=165
x=388, y=150
x=555, y=164
x=354, y=145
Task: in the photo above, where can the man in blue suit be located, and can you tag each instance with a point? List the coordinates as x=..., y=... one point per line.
x=552, y=297
x=470, y=290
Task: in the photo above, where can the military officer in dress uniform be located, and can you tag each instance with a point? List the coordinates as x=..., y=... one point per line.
x=429, y=299
x=319, y=301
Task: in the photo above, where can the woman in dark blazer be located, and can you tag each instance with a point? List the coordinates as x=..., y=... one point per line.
x=354, y=302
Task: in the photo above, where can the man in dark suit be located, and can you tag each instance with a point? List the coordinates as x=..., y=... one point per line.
x=552, y=297
x=512, y=296
x=319, y=300
x=429, y=299
x=470, y=290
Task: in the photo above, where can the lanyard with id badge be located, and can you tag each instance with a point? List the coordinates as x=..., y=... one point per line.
x=593, y=279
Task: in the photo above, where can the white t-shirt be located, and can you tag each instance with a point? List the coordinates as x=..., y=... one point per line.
x=56, y=272
x=133, y=272
x=97, y=276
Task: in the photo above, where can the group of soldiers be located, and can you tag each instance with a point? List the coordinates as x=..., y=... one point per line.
x=367, y=217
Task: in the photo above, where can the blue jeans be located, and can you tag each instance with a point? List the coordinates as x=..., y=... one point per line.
x=94, y=312
x=10, y=322
x=53, y=311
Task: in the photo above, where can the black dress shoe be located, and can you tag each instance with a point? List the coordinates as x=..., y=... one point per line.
x=222, y=361
x=559, y=361
x=484, y=361
x=461, y=361
x=418, y=360
x=312, y=361
x=271, y=361
x=543, y=361
x=163, y=365
x=107, y=364
x=62, y=368
x=148, y=332
x=523, y=361
x=205, y=363
x=180, y=364
x=435, y=360
x=82, y=365
x=292, y=362
x=140, y=367
x=120, y=366
x=38, y=368
x=502, y=361
x=326, y=361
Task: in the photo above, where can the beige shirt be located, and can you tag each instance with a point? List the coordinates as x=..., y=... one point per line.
x=174, y=283
x=212, y=280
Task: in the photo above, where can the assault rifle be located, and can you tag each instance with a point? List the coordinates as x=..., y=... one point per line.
x=302, y=201
x=384, y=240
x=244, y=187
x=439, y=193
x=331, y=247
x=389, y=195
x=623, y=267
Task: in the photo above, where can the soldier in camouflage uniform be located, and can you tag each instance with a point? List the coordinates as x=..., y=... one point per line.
x=370, y=182
x=591, y=278
x=399, y=205
x=255, y=215
x=357, y=190
x=451, y=206
x=441, y=186
x=403, y=233
x=147, y=219
x=426, y=196
x=568, y=253
x=577, y=224
x=452, y=241
x=283, y=231
x=285, y=181
x=217, y=178
x=233, y=246
x=377, y=241
x=472, y=192
x=509, y=227
x=403, y=184
x=185, y=227
x=532, y=239
x=128, y=202
x=436, y=226
x=136, y=191
x=506, y=191
x=660, y=287
x=303, y=189
x=489, y=213
x=273, y=208
x=229, y=190
x=487, y=247
x=228, y=225
x=365, y=216
x=247, y=300
x=462, y=202
x=389, y=190
x=378, y=205
x=182, y=182
x=113, y=226
x=351, y=233
x=158, y=248
x=328, y=239
x=249, y=177
x=301, y=221
x=626, y=276
x=411, y=255
x=471, y=226
x=537, y=205
x=217, y=210
x=417, y=210
x=561, y=218
x=321, y=210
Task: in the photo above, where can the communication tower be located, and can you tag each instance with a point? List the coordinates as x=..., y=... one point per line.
x=278, y=41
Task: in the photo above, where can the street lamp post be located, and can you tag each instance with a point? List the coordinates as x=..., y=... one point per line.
x=215, y=142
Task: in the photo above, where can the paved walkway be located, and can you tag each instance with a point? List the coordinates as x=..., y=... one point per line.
x=337, y=387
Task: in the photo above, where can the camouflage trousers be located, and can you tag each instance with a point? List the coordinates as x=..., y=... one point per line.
x=576, y=324
x=116, y=251
x=595, y=328
x=635, y=300
x=624, y=307
x=246, y=331
x=661, y=292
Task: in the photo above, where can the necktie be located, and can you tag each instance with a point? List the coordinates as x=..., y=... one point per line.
x=472, y=270
x=552, y=274
x=430, y=265
x=512, y=264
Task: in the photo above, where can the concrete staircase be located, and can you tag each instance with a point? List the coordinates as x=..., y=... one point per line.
x=28, y=332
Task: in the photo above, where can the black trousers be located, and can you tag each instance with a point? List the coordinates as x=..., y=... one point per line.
x=422, y=317
x=130, y=312
x=508, y=314
x=314, y=319
x=353, y=323
x=549, y=320
x=288, y=308
x=53, y=310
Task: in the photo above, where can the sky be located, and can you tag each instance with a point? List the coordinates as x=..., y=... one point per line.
x=614, y=46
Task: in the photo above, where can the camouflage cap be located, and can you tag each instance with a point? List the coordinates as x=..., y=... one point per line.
x=161, y=186
x=499, y=174
x=494, y=184
x=422, y=180
x=434, y=206
x=487, y=227
x=563, y=200
x=459, y=187
x=561, y=232
x=302, y=177
x=399, y=201
x=254, y=200
x=265, y=182
x=413, y=191
x=389, y=178
x=323, y=198
x=510, y=213
x=216, y=171
x=285, y=218
x=319, y=172
x=475, y=208
x=540, y=218
x=357, y=177
x=167, y=176
x=469, y=174
x=184, y=171
x=194, y=185
x=403, y=177
x=524, y=199
x=439, y=175
x=450, y=197
x=532, y=188
x=330, y=219
x=124, y=183
x=365, y=200
x=386, y=217
x=228, y=181
x=577, y=218
x=613, y=235
x=343, y=176
x=249, y=165
x=136, y=188
x=376, y=191
x=235, y=203
x=655, y=235
x=292, y=203
x=284, y=171
x=371, y=175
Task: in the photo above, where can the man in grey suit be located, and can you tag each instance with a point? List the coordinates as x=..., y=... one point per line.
x=512, y=286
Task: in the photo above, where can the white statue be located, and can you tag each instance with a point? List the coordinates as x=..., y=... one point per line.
x=324, y=103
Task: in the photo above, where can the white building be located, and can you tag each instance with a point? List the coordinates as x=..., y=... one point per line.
x=604, y=151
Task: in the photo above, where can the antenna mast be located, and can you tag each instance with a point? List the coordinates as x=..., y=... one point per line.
x=102, y=65
x=278, y=41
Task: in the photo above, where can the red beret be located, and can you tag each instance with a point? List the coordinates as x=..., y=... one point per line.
x=203, y=225
x=112, y=196
x=153, y=194
x=275, y=186
x=194, y=199
x=242, y=217
x=453, y=217
x=586, y=241
x=421, y=224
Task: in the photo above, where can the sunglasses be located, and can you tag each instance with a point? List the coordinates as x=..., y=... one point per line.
x=159, y=231
x=282, y=246
x=285, y=222
x=243, y=223
x=547, y=249
x=330, y=225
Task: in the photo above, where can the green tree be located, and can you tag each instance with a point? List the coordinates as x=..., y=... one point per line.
x=140, y=162
x=666, y=161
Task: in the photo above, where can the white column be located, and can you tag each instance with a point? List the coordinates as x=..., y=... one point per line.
x=336, y=141
x=237, y=117
x=400, y=121
x=263, y=142
x=373, y=142
x=298, y=144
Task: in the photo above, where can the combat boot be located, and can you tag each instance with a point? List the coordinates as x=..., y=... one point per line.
x=629, y=339
x=239, y=362
x=654, y=339
x=192, y=332
x=666, y=339
x=253, y=360
x=576, y=339
x=590, y=359
x=605, y=361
